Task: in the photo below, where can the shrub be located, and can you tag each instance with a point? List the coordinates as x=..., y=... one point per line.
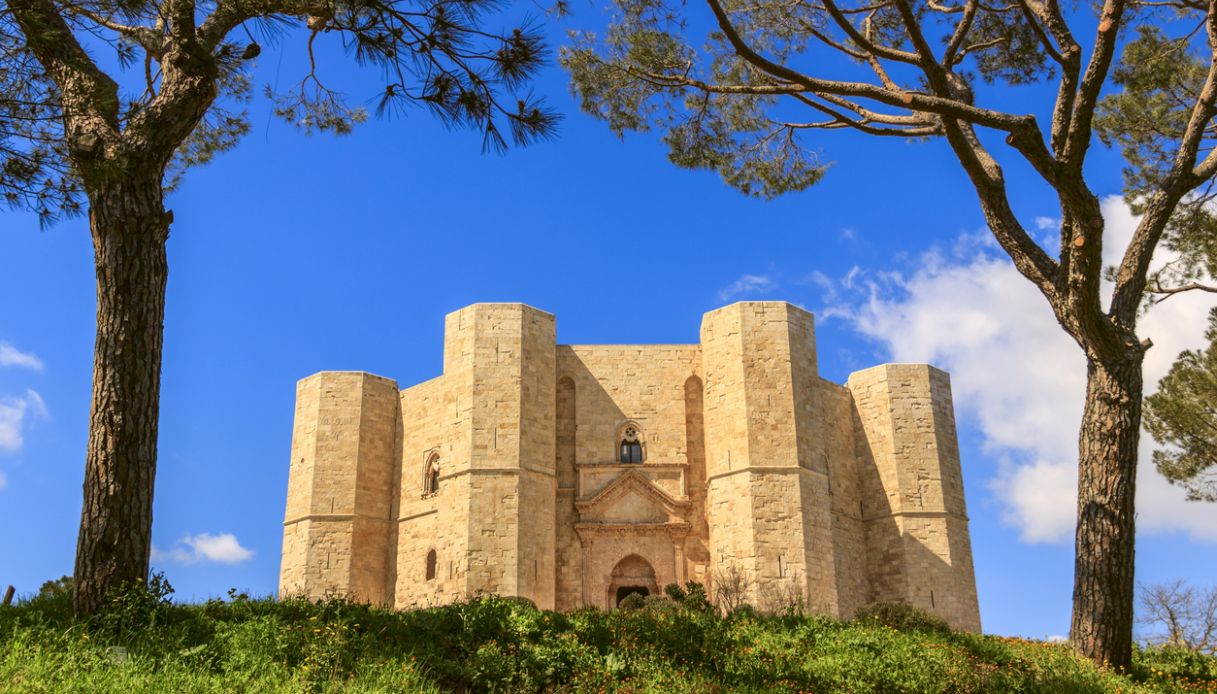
x=633, y=601
x=53, y=602
x=1178, y=662
x=691, y=597
x=898, y=615
x=657, y=603
x=133, y=610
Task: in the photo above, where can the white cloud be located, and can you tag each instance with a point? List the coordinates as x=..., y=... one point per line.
x=1047, y=223
x=747, y=285
x=192, y=549
x=11, y=356
x=1016, y=373
x=15, y=410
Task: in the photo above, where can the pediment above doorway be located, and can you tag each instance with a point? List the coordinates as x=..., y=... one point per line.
x=632, y=499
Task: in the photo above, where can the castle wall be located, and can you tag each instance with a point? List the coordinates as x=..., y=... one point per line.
x=430, y=522
x=912, y=491
x=614, y=385
x=844, y=489
x=568, y=573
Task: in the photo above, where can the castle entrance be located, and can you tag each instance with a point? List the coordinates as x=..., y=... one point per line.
x=626, y=591
x=631, y=575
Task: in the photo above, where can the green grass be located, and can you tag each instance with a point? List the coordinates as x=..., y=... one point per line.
x=146, y=644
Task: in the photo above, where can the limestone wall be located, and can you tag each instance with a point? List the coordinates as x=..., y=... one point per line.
x=337, y=528
x=499, y=364
x=430, y=522
x=912, y=491
x=605, y=388
x=765, y=444
x=843, y=487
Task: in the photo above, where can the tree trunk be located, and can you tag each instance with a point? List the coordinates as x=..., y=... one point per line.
x=129, y=228
x=1107, y=467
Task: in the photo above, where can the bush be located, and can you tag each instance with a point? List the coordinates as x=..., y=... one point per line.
x=691, y=597
x=902, y=617
x=1178, y=662
x=657, y=603
x=53, y=601
x=133, y=610
x=633, y=601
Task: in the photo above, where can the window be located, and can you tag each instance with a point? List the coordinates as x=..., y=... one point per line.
x=631, y=445
x=431, y=476
x=431, y=565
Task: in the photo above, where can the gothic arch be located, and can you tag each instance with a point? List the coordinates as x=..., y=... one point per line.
x=631, y=574
x=429, y=566
x=566, y=424
x=631, y=443
x=431, y=474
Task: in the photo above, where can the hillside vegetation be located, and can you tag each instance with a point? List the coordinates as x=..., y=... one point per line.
x=146, y=643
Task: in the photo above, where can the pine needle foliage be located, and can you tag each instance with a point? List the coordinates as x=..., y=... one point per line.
x=439, y=55
x=1182, y=416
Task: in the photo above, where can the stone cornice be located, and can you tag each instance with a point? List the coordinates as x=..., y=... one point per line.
x=677, y=467
x=784, y=469
x=332, y=517
x=497, y=471
x=420, y=514
x=675, y=529
x=914, y=514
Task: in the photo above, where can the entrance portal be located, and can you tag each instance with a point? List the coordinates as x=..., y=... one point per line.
x=631, y=575
x=625, y=591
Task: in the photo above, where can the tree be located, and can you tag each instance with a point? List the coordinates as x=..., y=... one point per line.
x=69, y=133
x=743, y=99
x=1182, y=415
x=1182, y=616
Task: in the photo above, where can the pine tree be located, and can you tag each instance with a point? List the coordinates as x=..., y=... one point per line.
x=747, y=97
x=71, y=138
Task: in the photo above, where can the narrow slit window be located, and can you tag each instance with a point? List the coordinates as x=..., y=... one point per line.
x=431, y=476
x=430, y=570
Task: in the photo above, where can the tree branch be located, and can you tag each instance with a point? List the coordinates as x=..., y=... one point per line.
x=1080, y=130
x=147, y=38
x=89, y=96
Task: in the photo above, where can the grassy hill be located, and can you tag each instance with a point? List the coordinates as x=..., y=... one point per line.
x=147, y=644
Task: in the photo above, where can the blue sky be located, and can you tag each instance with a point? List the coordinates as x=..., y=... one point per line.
x=295, y=254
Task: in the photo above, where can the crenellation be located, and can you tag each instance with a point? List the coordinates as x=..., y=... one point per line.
x=574, y=474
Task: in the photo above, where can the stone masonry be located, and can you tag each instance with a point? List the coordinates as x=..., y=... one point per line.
x=574, y=475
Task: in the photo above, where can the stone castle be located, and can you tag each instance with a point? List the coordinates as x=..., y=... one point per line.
x=574, y=475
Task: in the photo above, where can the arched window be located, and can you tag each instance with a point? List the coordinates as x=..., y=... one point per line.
x=431, y=475
x=631, y=445
x=431, y=565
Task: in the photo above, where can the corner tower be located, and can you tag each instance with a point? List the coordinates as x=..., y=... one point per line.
x=768, y=504
x=499, y=362
x=915, y=520
x=337, y=529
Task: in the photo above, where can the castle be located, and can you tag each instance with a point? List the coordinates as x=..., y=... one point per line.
x=574, y=475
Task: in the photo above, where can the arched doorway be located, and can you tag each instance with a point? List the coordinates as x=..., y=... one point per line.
x=631, y=575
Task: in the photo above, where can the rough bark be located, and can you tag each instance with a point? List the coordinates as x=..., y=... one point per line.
x=1105, y=540
x=129, y=226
